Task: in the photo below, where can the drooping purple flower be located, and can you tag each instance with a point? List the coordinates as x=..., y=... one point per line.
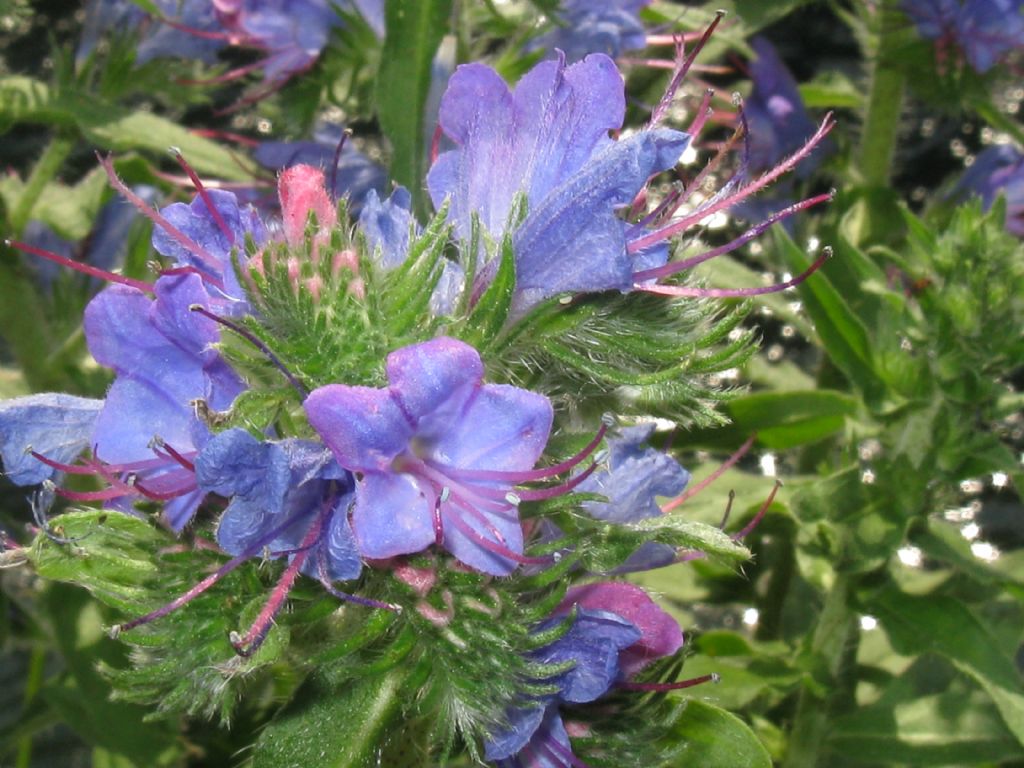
x=998, y=171
x=163, y=357
x=57, y=426
x=548, y=140
x=617, y=631
x=277, y=489
x=437, y=455
x=582, y=27
x=985, y=30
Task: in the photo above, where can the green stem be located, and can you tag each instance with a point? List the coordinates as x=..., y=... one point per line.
x=33, y=682
x=831, y=635
x=885, y=97
x=46, y=168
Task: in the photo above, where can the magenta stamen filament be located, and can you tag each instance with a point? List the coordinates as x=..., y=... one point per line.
x=79, y=266
x=158, y=219
x=728, y=201
x=726, y=465
x=665, y=687
x=682, y=290
x=201, y=189
x=741, y=534
x=248, y=644
x=683, y=67
x=675, y=267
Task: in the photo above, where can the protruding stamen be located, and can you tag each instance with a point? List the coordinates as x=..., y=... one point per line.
x=80, y=266
x=248, y=644
x=683, y=67
x=663, y=687
x=703, y=113
x=256, y=342
x=729, y=200
x=725, y=293
x=675, y=267
x=495, y=548
x=557, y=490
x=760, y=514
x=332, y=190
x=158, y=219
x=201, y=189
x=162, y=446
x=728, y=510
x=721, y=470
x=209, y=581
x=325, y=582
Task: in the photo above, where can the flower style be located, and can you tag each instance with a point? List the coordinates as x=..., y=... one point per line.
x=985, y=30
x=436, y=455
x=617, y=631
x=998, y=171
x=548, y=139
x=588, y=26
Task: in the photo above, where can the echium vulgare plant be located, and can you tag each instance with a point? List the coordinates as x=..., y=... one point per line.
x=388, y=474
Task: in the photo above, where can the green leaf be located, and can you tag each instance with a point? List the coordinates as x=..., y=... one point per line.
x=844, y=337
x=943, y=625
x=334, y=722
x=780, y=419
x=414, y=32
x=945, y=729
x=715, y=738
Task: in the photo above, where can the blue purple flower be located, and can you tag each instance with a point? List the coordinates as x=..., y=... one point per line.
x=437, y=455
x=582, y=27
x=548, y=140
x=276, y=490
x=617, y=630
x=54, y=425
x=985, y=30
x=998, y=171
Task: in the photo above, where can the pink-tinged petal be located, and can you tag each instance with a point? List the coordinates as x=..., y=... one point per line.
x=432, y=381
x=502, y=428
x=661, y=635
x=364, y=427
x=392, y=516
x=465, y=538
x=301, y=189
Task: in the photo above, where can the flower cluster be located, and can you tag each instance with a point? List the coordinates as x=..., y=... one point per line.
x=362, y=403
